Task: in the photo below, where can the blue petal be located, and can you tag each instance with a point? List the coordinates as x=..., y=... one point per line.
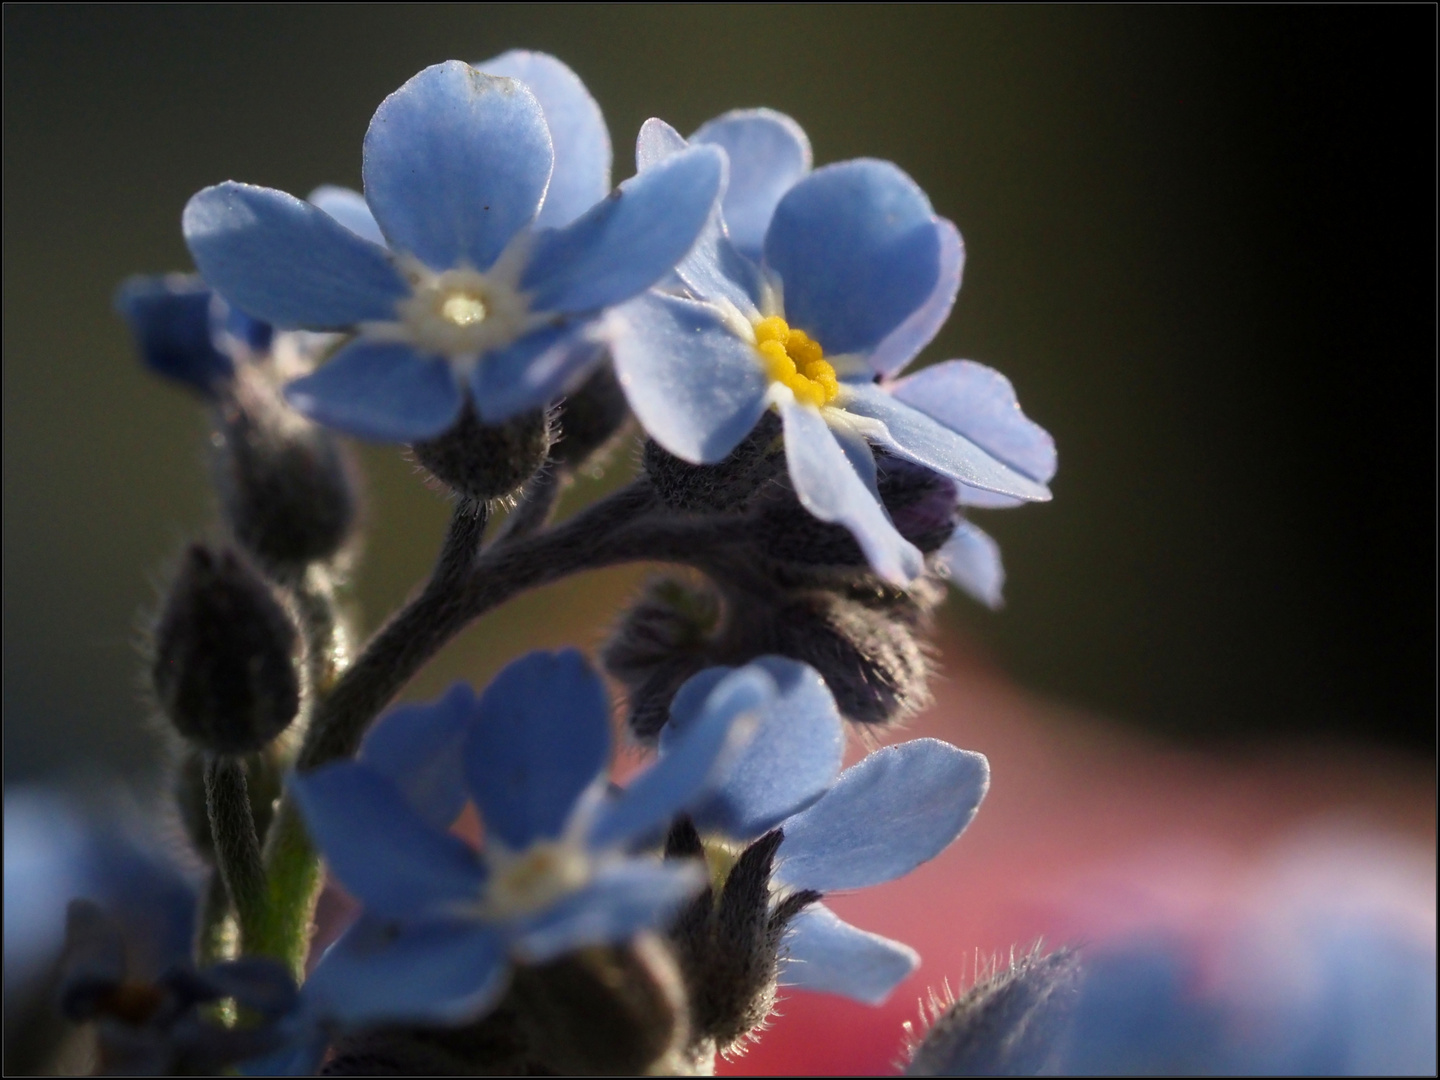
x=577, y=130
x=903, y=343
x=861, y=457
x=823, y=952
x=656, y=142
x=979, y=403
x=696, y=388
x=542, y=738
x=380, y=391
x=169, y=318
x=769, y=153
x=535, y=371
x=619, y=903
x=456, y=164
x=384, y=853
x=436, y=971
x=287, y=262
x=629, y=241
x=828, y=486
x=790, y=762
x=898, y=808
x=858, y=250
x=350, y=209
x=911, y=434
x=693, y=764
x=713, y=269
x=971, y=559
x=418, y=749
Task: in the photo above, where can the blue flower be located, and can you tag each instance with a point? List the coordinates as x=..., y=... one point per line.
x=980, y=404
x=442, y=924
x=186, y=333
x=855, y=274
x=479, y=289
x=876, y=821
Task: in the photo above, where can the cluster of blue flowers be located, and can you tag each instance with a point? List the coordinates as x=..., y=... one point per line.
x=493, y=303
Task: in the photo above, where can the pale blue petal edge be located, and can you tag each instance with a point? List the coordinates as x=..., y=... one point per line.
x=823, y=952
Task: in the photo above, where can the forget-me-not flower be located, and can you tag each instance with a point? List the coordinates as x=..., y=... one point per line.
x=442, y=923
x=187, y=334
x=476, y=289
x=876, y=821
x=832, y=278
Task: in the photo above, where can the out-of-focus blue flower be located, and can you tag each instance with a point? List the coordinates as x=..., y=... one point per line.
x=479, y=289
x=1352, y=998
x=57, y=850
x=855, y=274
x=442, y=924
x=186, y=333
x=876, y=821
x=154, y=1026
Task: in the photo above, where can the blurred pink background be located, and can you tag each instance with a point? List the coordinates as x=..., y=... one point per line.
x=1091, y=834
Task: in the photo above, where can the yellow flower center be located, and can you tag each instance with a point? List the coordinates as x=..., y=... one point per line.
x=795, y=360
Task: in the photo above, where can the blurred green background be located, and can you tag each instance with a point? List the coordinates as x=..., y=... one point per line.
x=1201, y=244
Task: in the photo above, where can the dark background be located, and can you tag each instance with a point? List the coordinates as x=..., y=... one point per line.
x=1201, y=244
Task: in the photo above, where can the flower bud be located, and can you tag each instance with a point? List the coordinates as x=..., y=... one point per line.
x=487, y=461
x=921, y=504
x=726, y=487
x=225, y=655
x=661, y=640
x=590, y=420
x=605, y=1010
x=872, y=656
x=494, y=1045
x=1012, y=1024
x=728, y=944
x=287, y=487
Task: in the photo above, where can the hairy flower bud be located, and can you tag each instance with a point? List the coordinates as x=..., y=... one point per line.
x=225, y=655
x=728, y=940
x=1011, y=1024
x=590, y=420
x=725, y=487
x=660, y=641
x=606, y=1010
x=287, y=487
x=494, y=1045
x=487, y=461
x=864, y=637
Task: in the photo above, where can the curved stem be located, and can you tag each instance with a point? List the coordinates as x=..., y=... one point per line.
x=628, y=526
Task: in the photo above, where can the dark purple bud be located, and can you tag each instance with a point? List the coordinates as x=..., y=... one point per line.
x=225, y=655
x=481, y=461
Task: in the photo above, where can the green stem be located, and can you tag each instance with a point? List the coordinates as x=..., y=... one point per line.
x=625, y=527
x=237, y=848
x=218, y=935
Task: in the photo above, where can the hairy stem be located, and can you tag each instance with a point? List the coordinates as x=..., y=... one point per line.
x=628, y=526
x=237, y=848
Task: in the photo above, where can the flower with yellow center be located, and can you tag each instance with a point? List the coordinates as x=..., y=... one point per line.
x=795, y=360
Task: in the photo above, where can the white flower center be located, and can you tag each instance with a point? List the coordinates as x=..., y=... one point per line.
x=461, y=314
x=535, y=878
